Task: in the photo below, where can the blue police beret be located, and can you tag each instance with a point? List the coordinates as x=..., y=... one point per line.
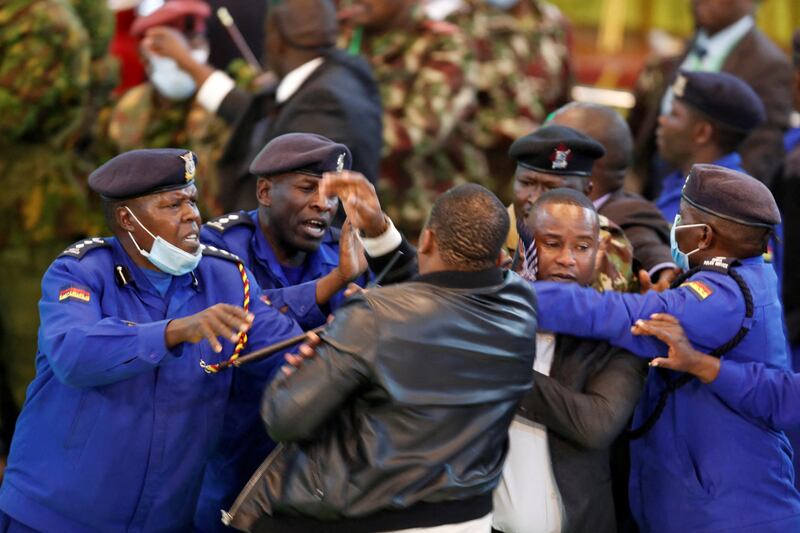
x=304, y=153
x=142, y=172
x=722, y=97
x=557, y=150
x=731, y=195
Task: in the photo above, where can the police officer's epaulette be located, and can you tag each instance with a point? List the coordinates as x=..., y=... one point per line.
x=81, y=248
x=226, y=222
x=213, y=251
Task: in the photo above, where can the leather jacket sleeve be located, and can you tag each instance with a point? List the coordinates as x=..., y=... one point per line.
x=595, y=416
x=295, y=406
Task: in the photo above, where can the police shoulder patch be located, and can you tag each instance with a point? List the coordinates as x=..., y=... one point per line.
x=78, y=293
x=213, y=251
x=80, y=248
x=699, y=289
x=226, y=222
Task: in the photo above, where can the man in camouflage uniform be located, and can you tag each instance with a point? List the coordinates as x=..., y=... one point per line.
x=553, y=157
x=524, y=73
x=148, y=116
x=45, y=59
x=425, y=73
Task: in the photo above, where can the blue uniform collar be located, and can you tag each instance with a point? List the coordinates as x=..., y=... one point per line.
x=317, y=264
x=791, y=139
x=138, y=278
x=732, y=160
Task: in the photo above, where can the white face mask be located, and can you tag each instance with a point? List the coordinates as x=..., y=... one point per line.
x=170, y=80
x=167, y=257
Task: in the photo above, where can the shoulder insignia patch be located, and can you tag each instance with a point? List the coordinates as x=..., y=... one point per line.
x=226, y=222
x=699, y=289
x=78, y=293
x=79, y=249
x=213, y=251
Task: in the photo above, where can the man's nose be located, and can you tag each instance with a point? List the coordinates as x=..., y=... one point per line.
x=566, y=257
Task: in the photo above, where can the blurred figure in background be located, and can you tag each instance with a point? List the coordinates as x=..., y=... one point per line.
x=522, y=52
x=45, y=206
x=726, y=40
x=320, y=89
x=162, y=112
x=425, y=72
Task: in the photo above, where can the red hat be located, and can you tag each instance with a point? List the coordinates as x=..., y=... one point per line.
x=174, y=13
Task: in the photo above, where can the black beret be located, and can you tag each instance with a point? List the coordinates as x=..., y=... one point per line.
x=306, y=153
x=722, y=97
x=142, y=172
x=731, y=195
x=557, y=150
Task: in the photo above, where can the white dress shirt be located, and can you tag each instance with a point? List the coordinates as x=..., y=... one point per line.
x=527, y=499
x=218, y=85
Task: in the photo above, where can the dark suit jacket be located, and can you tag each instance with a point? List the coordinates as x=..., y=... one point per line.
x=643, y=224
x=788, y=196
x=760, y=63
x=585, y=403
x=340, y=100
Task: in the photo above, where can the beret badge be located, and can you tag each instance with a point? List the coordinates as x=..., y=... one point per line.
x=189, y=166
x=679, y=87
x=561, y=156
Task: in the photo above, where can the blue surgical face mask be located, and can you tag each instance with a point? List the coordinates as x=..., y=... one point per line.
x=681, y=258
x=165, y=256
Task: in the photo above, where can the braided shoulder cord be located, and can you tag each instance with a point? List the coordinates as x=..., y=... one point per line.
x=675, y=384
x=242, y=341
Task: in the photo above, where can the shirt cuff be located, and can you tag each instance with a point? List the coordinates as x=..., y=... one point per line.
x=659, y=267
x=386, y=242
x=153, y=342
x=214, y=90
x=730, y=380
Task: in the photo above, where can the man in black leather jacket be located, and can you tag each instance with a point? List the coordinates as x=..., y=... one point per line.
x=401, y=419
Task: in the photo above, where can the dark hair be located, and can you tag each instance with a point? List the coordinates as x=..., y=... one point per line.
x=470, y=226
x=564, y=196
x=726, y=138
x=607, y=127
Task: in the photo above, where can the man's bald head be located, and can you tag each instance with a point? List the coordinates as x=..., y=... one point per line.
x=607, y=127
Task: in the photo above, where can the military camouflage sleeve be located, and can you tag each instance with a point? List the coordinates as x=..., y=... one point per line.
x=44, y=68
x=419, y=117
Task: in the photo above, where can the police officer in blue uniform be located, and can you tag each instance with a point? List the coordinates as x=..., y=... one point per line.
x=302, y=264
x=121, y=418
x=712, y=114
x=698, y=464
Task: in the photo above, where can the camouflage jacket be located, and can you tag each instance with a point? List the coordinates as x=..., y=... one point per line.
x=523, y=64
x=614, y=262
x=44, y=70
x=142, y=119
x=44, y=75
x=427, y=82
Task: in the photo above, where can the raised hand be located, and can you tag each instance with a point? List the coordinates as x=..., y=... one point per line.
x=359, y=199
x=220, y=320
x=681, y=355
